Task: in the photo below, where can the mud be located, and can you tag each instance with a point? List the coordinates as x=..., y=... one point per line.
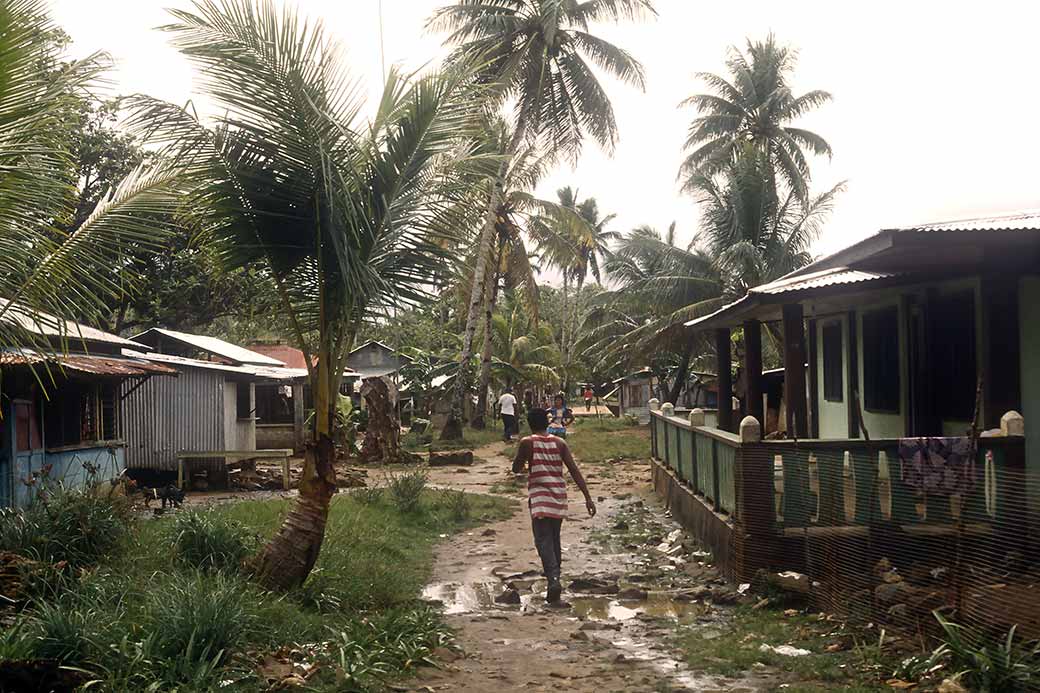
x=638, y=579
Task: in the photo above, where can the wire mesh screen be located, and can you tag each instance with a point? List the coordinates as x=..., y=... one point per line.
x=892, y=532
x=887, y=532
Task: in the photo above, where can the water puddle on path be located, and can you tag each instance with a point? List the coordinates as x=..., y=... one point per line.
x=656, y=605
x=459, y=598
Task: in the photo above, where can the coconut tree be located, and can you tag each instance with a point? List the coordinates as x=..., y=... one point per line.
x=347, y=215
x=539, y=56
x=755, y=105
x=45, y=268
x=754, y=229
x=659, y=285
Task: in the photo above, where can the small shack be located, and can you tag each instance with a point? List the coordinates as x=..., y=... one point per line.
x=634, y=393
x=210, y=408
x=60, y=410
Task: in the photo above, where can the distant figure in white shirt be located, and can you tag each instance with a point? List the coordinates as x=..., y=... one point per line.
x=507, y=410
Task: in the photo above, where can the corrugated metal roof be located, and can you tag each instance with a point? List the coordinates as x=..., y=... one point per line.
x=1028, y=220
x=264, y=372
x=87, y=363
x=838, y=276
x=217, y=347
x=47, y=325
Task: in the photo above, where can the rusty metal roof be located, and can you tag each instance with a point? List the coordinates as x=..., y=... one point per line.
x=218, y=347
x=86, y=363
x=1017, y=221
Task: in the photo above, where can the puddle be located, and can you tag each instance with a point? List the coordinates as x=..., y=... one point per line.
x=460, y=598
x=664, y=664
x=657, y=605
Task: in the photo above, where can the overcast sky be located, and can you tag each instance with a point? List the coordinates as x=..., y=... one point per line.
x=934, y=114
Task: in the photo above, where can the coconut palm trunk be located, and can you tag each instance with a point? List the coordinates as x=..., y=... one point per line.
x=484, y=381
x=288, y=558
x=453, y=426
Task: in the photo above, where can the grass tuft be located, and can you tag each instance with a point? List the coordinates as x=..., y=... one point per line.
x=406, y=489
x=207, y=540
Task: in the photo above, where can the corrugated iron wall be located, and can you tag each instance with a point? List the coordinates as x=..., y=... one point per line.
x=166, y=415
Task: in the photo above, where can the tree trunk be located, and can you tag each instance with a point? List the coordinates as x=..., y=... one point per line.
x=681, y=374
x=382, y=443
x=287, y=559
x=565, y=345
x=453, y=426
x=484, y=381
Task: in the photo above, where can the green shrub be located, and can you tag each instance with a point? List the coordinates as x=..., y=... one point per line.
x=985, y=665
x=393, y=641
x=406, y=490
x=367, y=495
x=78, y=527
x=66, y=629
x=457, y=504
x=210, y=541
x=204, y=615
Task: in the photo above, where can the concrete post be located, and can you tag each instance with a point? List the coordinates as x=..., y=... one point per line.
x=1012, y=424
x=668, y=409
x=697, y=417
x=723, y=359
x=654, y=404
x=750, y=430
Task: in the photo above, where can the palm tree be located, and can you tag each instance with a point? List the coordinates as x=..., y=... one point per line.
x=659, y=287
x=347, y=216
x=754, y=231
x=583, y=256
x=755, y=106
x=536, y=54
x=45, y=269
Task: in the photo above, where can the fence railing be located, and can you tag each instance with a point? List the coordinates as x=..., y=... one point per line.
x=704, y=458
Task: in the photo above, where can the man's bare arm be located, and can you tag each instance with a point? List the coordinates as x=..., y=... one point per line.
x=523, y=455
x=576, y=474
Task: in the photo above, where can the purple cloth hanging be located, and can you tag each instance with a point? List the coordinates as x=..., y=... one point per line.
x=937, y=466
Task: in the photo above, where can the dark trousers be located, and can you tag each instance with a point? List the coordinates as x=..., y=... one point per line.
x=547, y=541
x=509, y=425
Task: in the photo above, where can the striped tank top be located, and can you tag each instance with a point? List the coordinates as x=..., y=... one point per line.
x=546, y=488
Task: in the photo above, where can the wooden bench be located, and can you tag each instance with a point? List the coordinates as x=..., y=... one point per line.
x=235, y=455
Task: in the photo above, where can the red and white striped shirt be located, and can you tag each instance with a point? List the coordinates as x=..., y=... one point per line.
x=546, y=488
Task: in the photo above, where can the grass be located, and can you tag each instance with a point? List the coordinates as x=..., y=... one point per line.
x=594, y=441
x=472, y=438
x=736, y=650
x=146, y=617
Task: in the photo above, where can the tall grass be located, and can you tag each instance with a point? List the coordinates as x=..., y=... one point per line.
x=75, y=526
x=208, y=540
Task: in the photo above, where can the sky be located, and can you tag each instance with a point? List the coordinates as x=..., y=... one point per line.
x=932, y=118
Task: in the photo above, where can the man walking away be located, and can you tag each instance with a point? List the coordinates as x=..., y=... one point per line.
x=588, y=397
x=546, y=456
x=507, y=410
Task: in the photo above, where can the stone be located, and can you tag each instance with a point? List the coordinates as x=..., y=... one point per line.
x=654, y=404
x=750, y=430
x=454, y=458
x=599, y=625
x=632, y=593
x=1012, y=424
x=593, y=585
x=621, y=526
x=510, y=596
x=894, y=592
x=668, y=409
x=697, y=417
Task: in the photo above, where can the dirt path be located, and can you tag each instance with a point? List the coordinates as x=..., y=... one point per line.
x=602, y=640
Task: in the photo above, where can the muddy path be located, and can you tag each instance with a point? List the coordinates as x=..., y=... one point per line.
x=632, y=578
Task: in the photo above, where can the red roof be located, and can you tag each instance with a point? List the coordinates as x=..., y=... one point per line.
x=289, y=355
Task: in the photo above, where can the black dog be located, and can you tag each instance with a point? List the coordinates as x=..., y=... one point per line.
x=167, y=494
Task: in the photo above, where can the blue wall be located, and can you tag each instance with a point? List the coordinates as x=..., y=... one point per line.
x=67, y=466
